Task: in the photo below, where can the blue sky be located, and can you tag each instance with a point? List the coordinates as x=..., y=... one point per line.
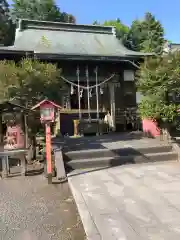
x=168, y=12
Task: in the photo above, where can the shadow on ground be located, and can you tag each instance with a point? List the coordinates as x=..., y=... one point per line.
x=95, y=142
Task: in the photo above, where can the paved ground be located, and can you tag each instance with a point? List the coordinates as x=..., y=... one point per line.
x=110, y=141
x=30, y=209
x=131, y=202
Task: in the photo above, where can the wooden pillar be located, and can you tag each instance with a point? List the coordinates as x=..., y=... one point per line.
x=22, y=124
x=24, y=140
x=76, y=123
x=112, y=104
x=1, y=129
x=26, y=130
x=57, y=124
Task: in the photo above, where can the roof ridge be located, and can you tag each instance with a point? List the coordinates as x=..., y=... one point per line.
x=61, y=26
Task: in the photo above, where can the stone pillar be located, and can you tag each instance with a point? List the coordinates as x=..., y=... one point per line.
x=112, y=104
x=66, y=99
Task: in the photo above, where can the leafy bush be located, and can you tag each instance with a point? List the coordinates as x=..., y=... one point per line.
x=156, y=79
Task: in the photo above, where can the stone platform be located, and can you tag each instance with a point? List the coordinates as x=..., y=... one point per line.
x=109, y=141
x=130, y=202
x=114, y=150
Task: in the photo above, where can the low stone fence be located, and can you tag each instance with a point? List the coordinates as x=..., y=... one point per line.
x=59, y=161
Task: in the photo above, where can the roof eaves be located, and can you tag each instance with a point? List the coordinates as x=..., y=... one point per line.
x=13, y=50
x=140, y=54
x=43, y=102
x=83, y=57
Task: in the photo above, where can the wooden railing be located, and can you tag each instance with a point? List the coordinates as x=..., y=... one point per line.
x=17, y=153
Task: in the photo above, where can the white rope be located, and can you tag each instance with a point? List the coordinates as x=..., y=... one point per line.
x=97, y=85
x=93, y=86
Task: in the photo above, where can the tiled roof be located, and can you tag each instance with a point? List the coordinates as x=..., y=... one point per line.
x=69, y=39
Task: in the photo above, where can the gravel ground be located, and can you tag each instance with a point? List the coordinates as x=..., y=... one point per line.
x=30, y=209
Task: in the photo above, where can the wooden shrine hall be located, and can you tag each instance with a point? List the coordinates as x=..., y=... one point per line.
x=97, y=70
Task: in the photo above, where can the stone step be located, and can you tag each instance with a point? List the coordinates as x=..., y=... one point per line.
x=111, y=153
x=80, y=171
x=120, y=160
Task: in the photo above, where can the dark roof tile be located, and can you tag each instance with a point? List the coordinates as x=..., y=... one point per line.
x=69, y=39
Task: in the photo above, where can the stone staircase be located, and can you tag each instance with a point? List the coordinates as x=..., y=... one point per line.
x=152, y=151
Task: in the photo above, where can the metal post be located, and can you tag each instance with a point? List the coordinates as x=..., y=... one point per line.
x=97, y=93
x=79, y=97
x=88, y=99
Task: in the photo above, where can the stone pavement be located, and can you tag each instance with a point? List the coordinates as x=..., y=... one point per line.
x=132, y=202
x=30, y=209
x=110, y=141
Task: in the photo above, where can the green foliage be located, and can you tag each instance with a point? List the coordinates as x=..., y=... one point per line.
x=45, y=10
x=156, y=79
x=146, y=35
x=159, y=75
x=6, y=26
x=152, y=108
x=29, y=81
x=8, y=79
x=149, y=109
x=121, y=29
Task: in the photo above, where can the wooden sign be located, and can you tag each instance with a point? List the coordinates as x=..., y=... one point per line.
x=14, y=137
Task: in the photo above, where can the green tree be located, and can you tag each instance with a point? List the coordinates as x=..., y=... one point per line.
x=121, y=29
x=146, y=35
x=6, y=26
x=45, y=10
x=158, y=79
x=29, y=81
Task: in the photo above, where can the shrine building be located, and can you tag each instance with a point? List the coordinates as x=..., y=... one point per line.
x=97, y=69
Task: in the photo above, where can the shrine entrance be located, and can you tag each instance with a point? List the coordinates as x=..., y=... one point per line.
x=90, y=98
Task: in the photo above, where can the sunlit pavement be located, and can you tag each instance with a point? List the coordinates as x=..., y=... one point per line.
x=130, y=202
